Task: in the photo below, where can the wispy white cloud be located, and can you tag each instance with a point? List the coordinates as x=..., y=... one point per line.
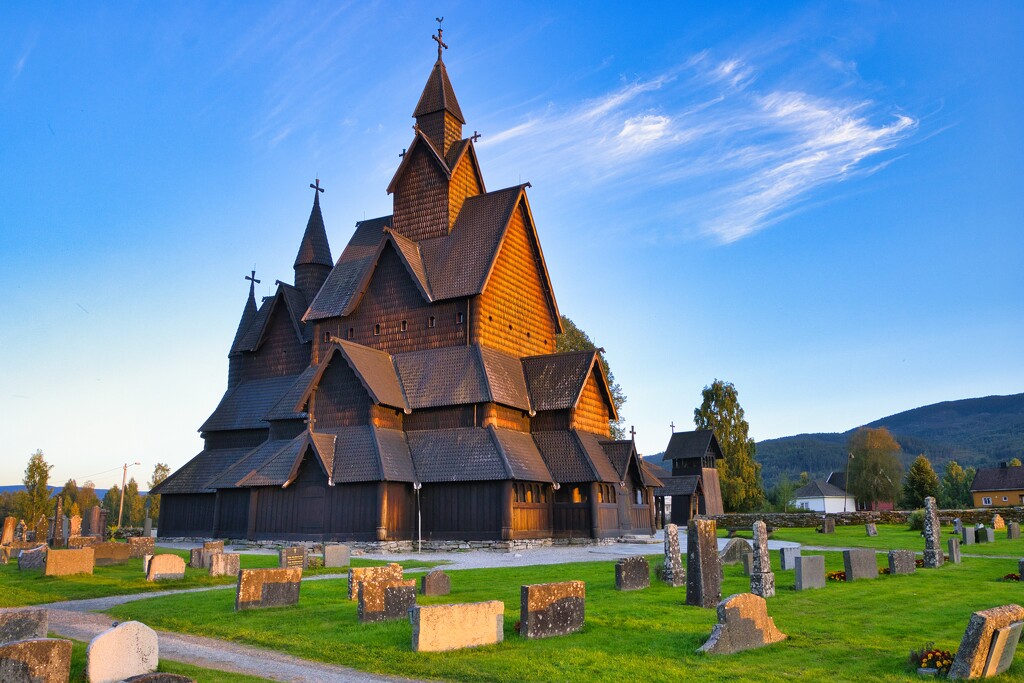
x=26, y=52
x=737, y=153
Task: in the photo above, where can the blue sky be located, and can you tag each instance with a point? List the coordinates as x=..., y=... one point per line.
x=820, y=202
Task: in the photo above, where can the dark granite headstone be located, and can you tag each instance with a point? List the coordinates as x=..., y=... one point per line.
x=632, y=574
x=828, y=525
x=672, y=565
x=860, y=563
x=102, y=531
x=23, y=624
x=435, y=582
x=33, y=558
x=386, y=600
x=871, y=529
x=810, y=572
x=974, y=655
x=1012, y=531
x=989, y=535
x=743, y=624
x=295, y=556
x=953, y=544
x=703, y=567
x=762, y=579
x=902, y=562
x=552, y=609
x=734, y=551
x=92, y=522
x=196, y=558
x=932, y=535
x=788, y=557
x=259, y=588
x=110, y=552
x=40, y=660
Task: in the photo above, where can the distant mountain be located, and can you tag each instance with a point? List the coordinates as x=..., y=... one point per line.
x=53, y=489
x=978, y=432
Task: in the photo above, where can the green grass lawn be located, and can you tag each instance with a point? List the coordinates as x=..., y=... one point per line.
x=859, y=631
x=30, y=587
x=197, y=673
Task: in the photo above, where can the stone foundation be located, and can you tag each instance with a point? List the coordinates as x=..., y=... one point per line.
x=412, y=546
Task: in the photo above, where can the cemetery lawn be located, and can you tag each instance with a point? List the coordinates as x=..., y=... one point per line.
x=859, y=631
x=30, y=587
x=890, y=537
x=197, y=673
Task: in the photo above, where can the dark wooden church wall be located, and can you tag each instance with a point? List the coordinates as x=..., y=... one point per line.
x=400, y=513
x=452, y=417
x=232, y=513
x=531, y=510
x=550, y=421
x=513, y=314
x=281, y=353
x=236, y=438
x=184, y=514
x=341, y=400
x=462, y=511
x=352, y=512
x=421, y=198
x=571, y=511
x=297, y=512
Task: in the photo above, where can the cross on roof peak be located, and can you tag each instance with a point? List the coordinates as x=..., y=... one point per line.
x=632, y=432
x=475, y=136
x=441, y=45
x=252, y=282
x=672, y=425
x=317, y=186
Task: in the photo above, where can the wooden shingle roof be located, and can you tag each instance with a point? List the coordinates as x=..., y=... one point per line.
x=373, y=368
x=679, y=486
x=444, y=455
x=695, y=444
x=249, y=313
x=314, y=247
x=246, y=405
x=438, y=94
x=567, y=459
x=249, y=463
x=195, y=475
x=355, y=261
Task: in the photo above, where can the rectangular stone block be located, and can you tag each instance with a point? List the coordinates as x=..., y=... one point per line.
x=40, y=660
x=439, y=628
x=435, y=582
x=165, y=566
x=140, y=547
x=386, y=600
x=902, y=562
x=262, y=588
x=968, y=536
x=703, y=565
x=356, y=575
x=828, y=525
x=990, y=535
x=225, y=564
x=295, y=556
x=23, y=624
x=953, y=545
x=552, y=609
x=871, y=529
x=1003, y=648
x=111, y=553
x=810, y=572
x=974, y=652
x=336, y=555
x=632, y=574
x=32, y=558
x=68, y=562
x=197, y=558
x=860, y=563
x=1012, y=531
x=82, y=541
x=788, y=557
x=213, y=547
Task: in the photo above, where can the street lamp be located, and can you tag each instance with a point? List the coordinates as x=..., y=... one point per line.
x=847, y=487
x=124, y=476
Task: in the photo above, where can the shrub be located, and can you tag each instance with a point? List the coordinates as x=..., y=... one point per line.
x=915, y=520
x=314, y=562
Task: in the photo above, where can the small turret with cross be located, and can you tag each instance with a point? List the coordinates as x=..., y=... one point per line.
x=441, y=45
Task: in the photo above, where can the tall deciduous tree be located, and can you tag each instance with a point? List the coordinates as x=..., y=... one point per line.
x=160, y=472
x=87, y=498
x=575, y=339
x=35, y=502
x=134, y=509
x=955, y=487
x=111, y=501
x=921, y=482
x=739, y=472
x=875, y=471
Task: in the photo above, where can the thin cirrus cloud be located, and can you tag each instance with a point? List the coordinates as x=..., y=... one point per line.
x=736, y=154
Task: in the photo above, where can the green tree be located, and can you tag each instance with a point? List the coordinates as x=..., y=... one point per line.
x=8, y=504
x=1015, y=462
x=160, y=472
x=111, y=501
x=739, y=472
x=87, y=498
x=35, y=501
x=920, y=482
x=781, y=494
x=575, y=339
x=875, y=469
x=69, y=494
x=134, y=509
x=955, y=487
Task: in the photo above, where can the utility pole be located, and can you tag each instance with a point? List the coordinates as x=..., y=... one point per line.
x=124, y=477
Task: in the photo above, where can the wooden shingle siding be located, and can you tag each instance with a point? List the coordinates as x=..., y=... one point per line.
x=281, y=352
x=513, y=314
x=388, y=418
x=591, y=413
x=240, y=438
x=421, y=198
x=341, y=400
x=511, y=418
x=442, y=128
x=464, y=183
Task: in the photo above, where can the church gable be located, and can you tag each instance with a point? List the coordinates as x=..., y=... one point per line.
x=467, y=181
x=421, y=194
x=592, y=412
x=339, y=399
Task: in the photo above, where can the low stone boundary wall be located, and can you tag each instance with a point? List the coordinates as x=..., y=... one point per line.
x=785, y=520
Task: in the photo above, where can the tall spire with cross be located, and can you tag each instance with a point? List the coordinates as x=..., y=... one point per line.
x=313, y=263
x=248, y=315
x=437, y=113
x=441, y=45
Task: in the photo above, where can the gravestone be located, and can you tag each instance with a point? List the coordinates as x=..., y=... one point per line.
x=20, y=529
x=1003, y=648
x=743, y=624
x=860, y=563
x=336, y=555
x=672, y=568
x=762, y=580
x=788, y=557
x=953, y=544
x=140, y=546
x=58, y=524
x=92, y=522
x=703, y=568
x=902, y=562
x=68, y=562
x=23, y=624
x=197, y=558
x=225, y=564
x=128, y=649
x=213, y=546
x=974, y=657
x=294, y=556
x=958, y=526
x=932, y=535
x=828, y=525
x=871, y=529
x=1012, y=531
x=734, y=551
x=82, y=541
x=748, y=564
x=385, y=600
x=968, y=535
x=75, y=526
x=42, y=529
x=110, y=553
x=145, y=563
x=356, y=575
x=810, y=572
x=998, y=522
x=1020, y=568
x=632, y=574
x=7, y=537
x=102, y=529
x=439, y=628
x=165, y=566
x=261, y=588
x=147, y=527
x=32, y=558
x=39, y=660
x=986, y=535
x=435, y=582
x=5, y=554
x=552, y=609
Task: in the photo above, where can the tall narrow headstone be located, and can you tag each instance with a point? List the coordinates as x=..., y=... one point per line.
x=958, y=526
x=932, y=535
x=828, y=525
x=8, y=533
x=1012, y=531
x=102, y=529
x=703, y=566
x=788, y=556
x=75, y=529
x=92, y=521
x=954, y=550
x=672, y=570
x=988, y=534
x=147, y=527
x=871, y=529
x=762, y=579
x=58, y=524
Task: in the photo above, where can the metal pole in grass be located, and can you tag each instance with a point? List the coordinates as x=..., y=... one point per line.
x=847, y=487
x=419, y=518
x=124, y=477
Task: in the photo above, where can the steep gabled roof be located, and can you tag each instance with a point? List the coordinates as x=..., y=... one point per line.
x=289, y=406
x=294, y=306
x=565, y=457
x=458, y=375
x=622, y=453
x=556, y=381
x=819, y=489
x=373, y=369
x=249, y=463
x=355, y=261
x=438, y=95
x=680, y=486
x=420, y=139
x=314, y=248
x=249, y=313
x=521, y=455
x=195, y=475
x=282, y=467
x=246, y=405
x=444, y=455
x=695, y=444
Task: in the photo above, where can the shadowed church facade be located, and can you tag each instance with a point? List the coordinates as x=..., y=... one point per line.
x=411, y=388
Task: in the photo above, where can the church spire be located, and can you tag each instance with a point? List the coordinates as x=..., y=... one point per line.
x=438, y=113
x=248, y=313
x=313, y=262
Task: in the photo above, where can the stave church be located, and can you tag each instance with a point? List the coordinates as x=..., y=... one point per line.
x=411, y=389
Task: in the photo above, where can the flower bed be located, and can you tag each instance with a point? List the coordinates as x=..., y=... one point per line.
x=931, y=660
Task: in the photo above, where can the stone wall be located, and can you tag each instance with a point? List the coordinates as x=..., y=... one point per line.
x=813, y=519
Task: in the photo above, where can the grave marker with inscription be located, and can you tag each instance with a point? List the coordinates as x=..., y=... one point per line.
x=703, y=567
x=860, y=563
x=552, y=609
x=126, y=650
x=976, y=657
x=294, y=556
x=261, y=588
x=810, y=572
x=632, y=574
x=743, y=624
x=435, y=582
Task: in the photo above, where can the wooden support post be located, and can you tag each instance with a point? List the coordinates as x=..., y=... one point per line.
x=652, y=503
x=506, y=511
x=595, y=512
x=382, y=511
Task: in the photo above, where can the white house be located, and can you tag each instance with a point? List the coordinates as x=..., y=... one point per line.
x=820, y=496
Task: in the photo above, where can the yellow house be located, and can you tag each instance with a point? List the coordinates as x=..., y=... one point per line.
x=1001, y=486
